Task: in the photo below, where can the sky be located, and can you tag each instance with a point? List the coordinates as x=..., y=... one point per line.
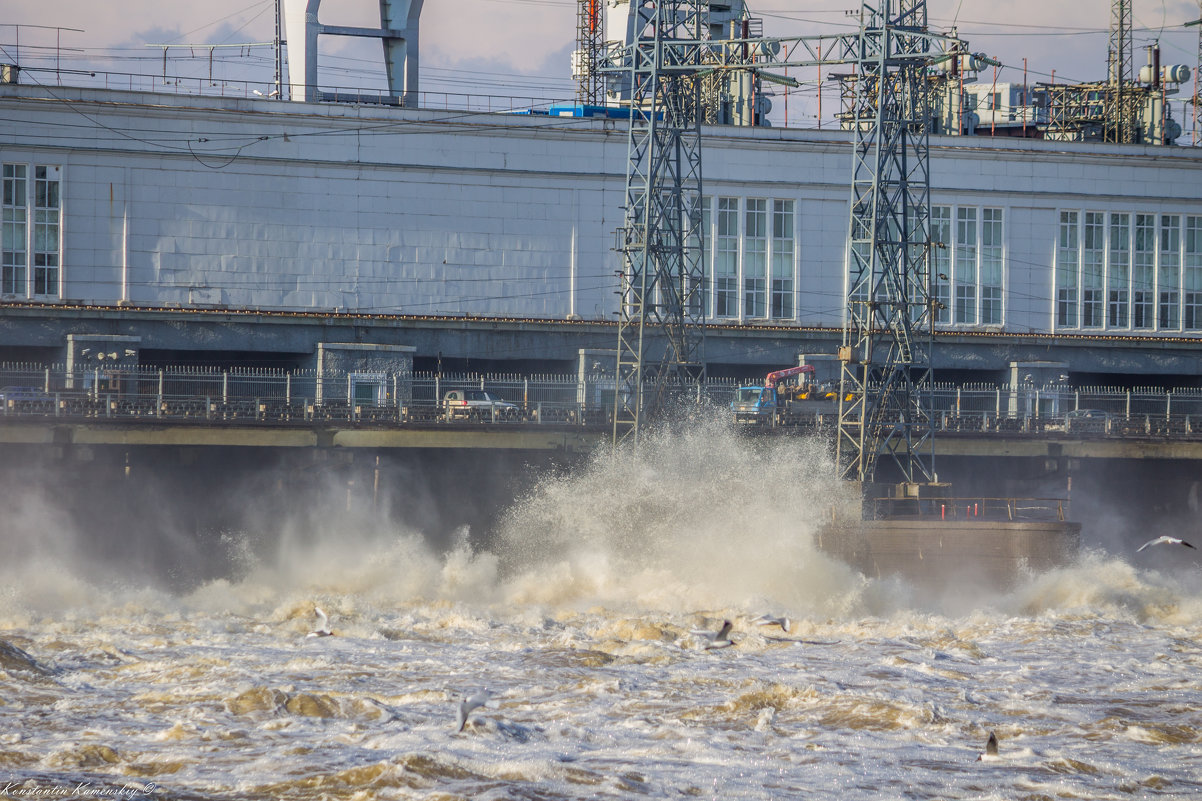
x=522, y=48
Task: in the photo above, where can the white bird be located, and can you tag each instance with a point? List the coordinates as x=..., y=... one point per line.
x=470, y=702
x=1165, y=541
x=990, y=748
x=716, y=639
x=767, y=620
x=323, y=624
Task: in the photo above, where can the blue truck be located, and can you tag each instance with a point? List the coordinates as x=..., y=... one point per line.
x=765, y=405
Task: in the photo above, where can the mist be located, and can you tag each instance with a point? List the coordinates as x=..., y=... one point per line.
x=700, y=516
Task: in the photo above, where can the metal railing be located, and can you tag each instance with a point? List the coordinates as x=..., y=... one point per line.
x=975, y=508
x=304, y=397
x=188, y=75
x=295, y=397
x=266, y=90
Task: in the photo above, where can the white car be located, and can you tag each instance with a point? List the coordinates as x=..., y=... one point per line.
x=476, y=404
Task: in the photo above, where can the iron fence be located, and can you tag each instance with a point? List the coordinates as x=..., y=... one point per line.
x=300, y=397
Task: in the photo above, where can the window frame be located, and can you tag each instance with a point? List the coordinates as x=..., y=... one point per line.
x=1191, y=273
x=31, y=229
x=963, y=271
x=740, y=233
x=755, y=265
x=782, y=261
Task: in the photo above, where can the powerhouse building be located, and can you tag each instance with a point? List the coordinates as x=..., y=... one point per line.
x=157, y=216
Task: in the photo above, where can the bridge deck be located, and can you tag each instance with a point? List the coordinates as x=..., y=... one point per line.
x=1101, y=442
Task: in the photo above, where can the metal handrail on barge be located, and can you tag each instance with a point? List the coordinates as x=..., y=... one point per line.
x=970, y=508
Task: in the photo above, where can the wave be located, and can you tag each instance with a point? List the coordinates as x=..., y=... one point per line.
x=698, y=517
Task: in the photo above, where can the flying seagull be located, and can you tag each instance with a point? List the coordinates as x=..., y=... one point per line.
x=767, y=620
x=470, y=702
x=323, y=624
x=1165, y=541
x=716, y=639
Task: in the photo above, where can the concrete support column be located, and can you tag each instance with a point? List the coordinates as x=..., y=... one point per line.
x=398, y=33
x=300, y=30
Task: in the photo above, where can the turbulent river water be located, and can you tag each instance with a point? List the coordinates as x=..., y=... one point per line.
x=577, y=614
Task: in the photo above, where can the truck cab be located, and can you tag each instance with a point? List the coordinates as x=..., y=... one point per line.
x=755, y=405
x=783, y=393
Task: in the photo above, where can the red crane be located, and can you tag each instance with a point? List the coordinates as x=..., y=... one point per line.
x=771, y=379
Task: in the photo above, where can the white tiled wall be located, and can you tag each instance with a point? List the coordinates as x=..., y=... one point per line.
x=394, y=210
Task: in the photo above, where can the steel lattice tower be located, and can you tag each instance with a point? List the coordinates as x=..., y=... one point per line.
x=886, y=399
x=661, y=282
x=888, y=326
x=1119, y=125
x=1198, y=73
x=590, y=44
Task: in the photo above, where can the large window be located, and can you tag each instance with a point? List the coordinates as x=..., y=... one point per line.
x=700, y=304
x=782, y=259
x=16, y=230
x=966, y=265
x=45, y=231
x=750, y=252
x=755, y=259
x=941, y=258
x=1093, y=269
x=1193, y=273
x=1123, y=270
x=968, y=262
x=1119, y=269
x=991, y=266
x=1169, y=274
x=1066, y=269
x=726, y=258
x=1143, y=279
x=23, y=244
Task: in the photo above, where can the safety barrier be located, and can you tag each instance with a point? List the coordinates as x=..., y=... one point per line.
x=259, y=396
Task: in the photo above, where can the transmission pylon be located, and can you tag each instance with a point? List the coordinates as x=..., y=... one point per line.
x=1119, y=125
x=887, y=333
x=885, y=401
x=590, y=46
x=1197, y=73
x=660, y=240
